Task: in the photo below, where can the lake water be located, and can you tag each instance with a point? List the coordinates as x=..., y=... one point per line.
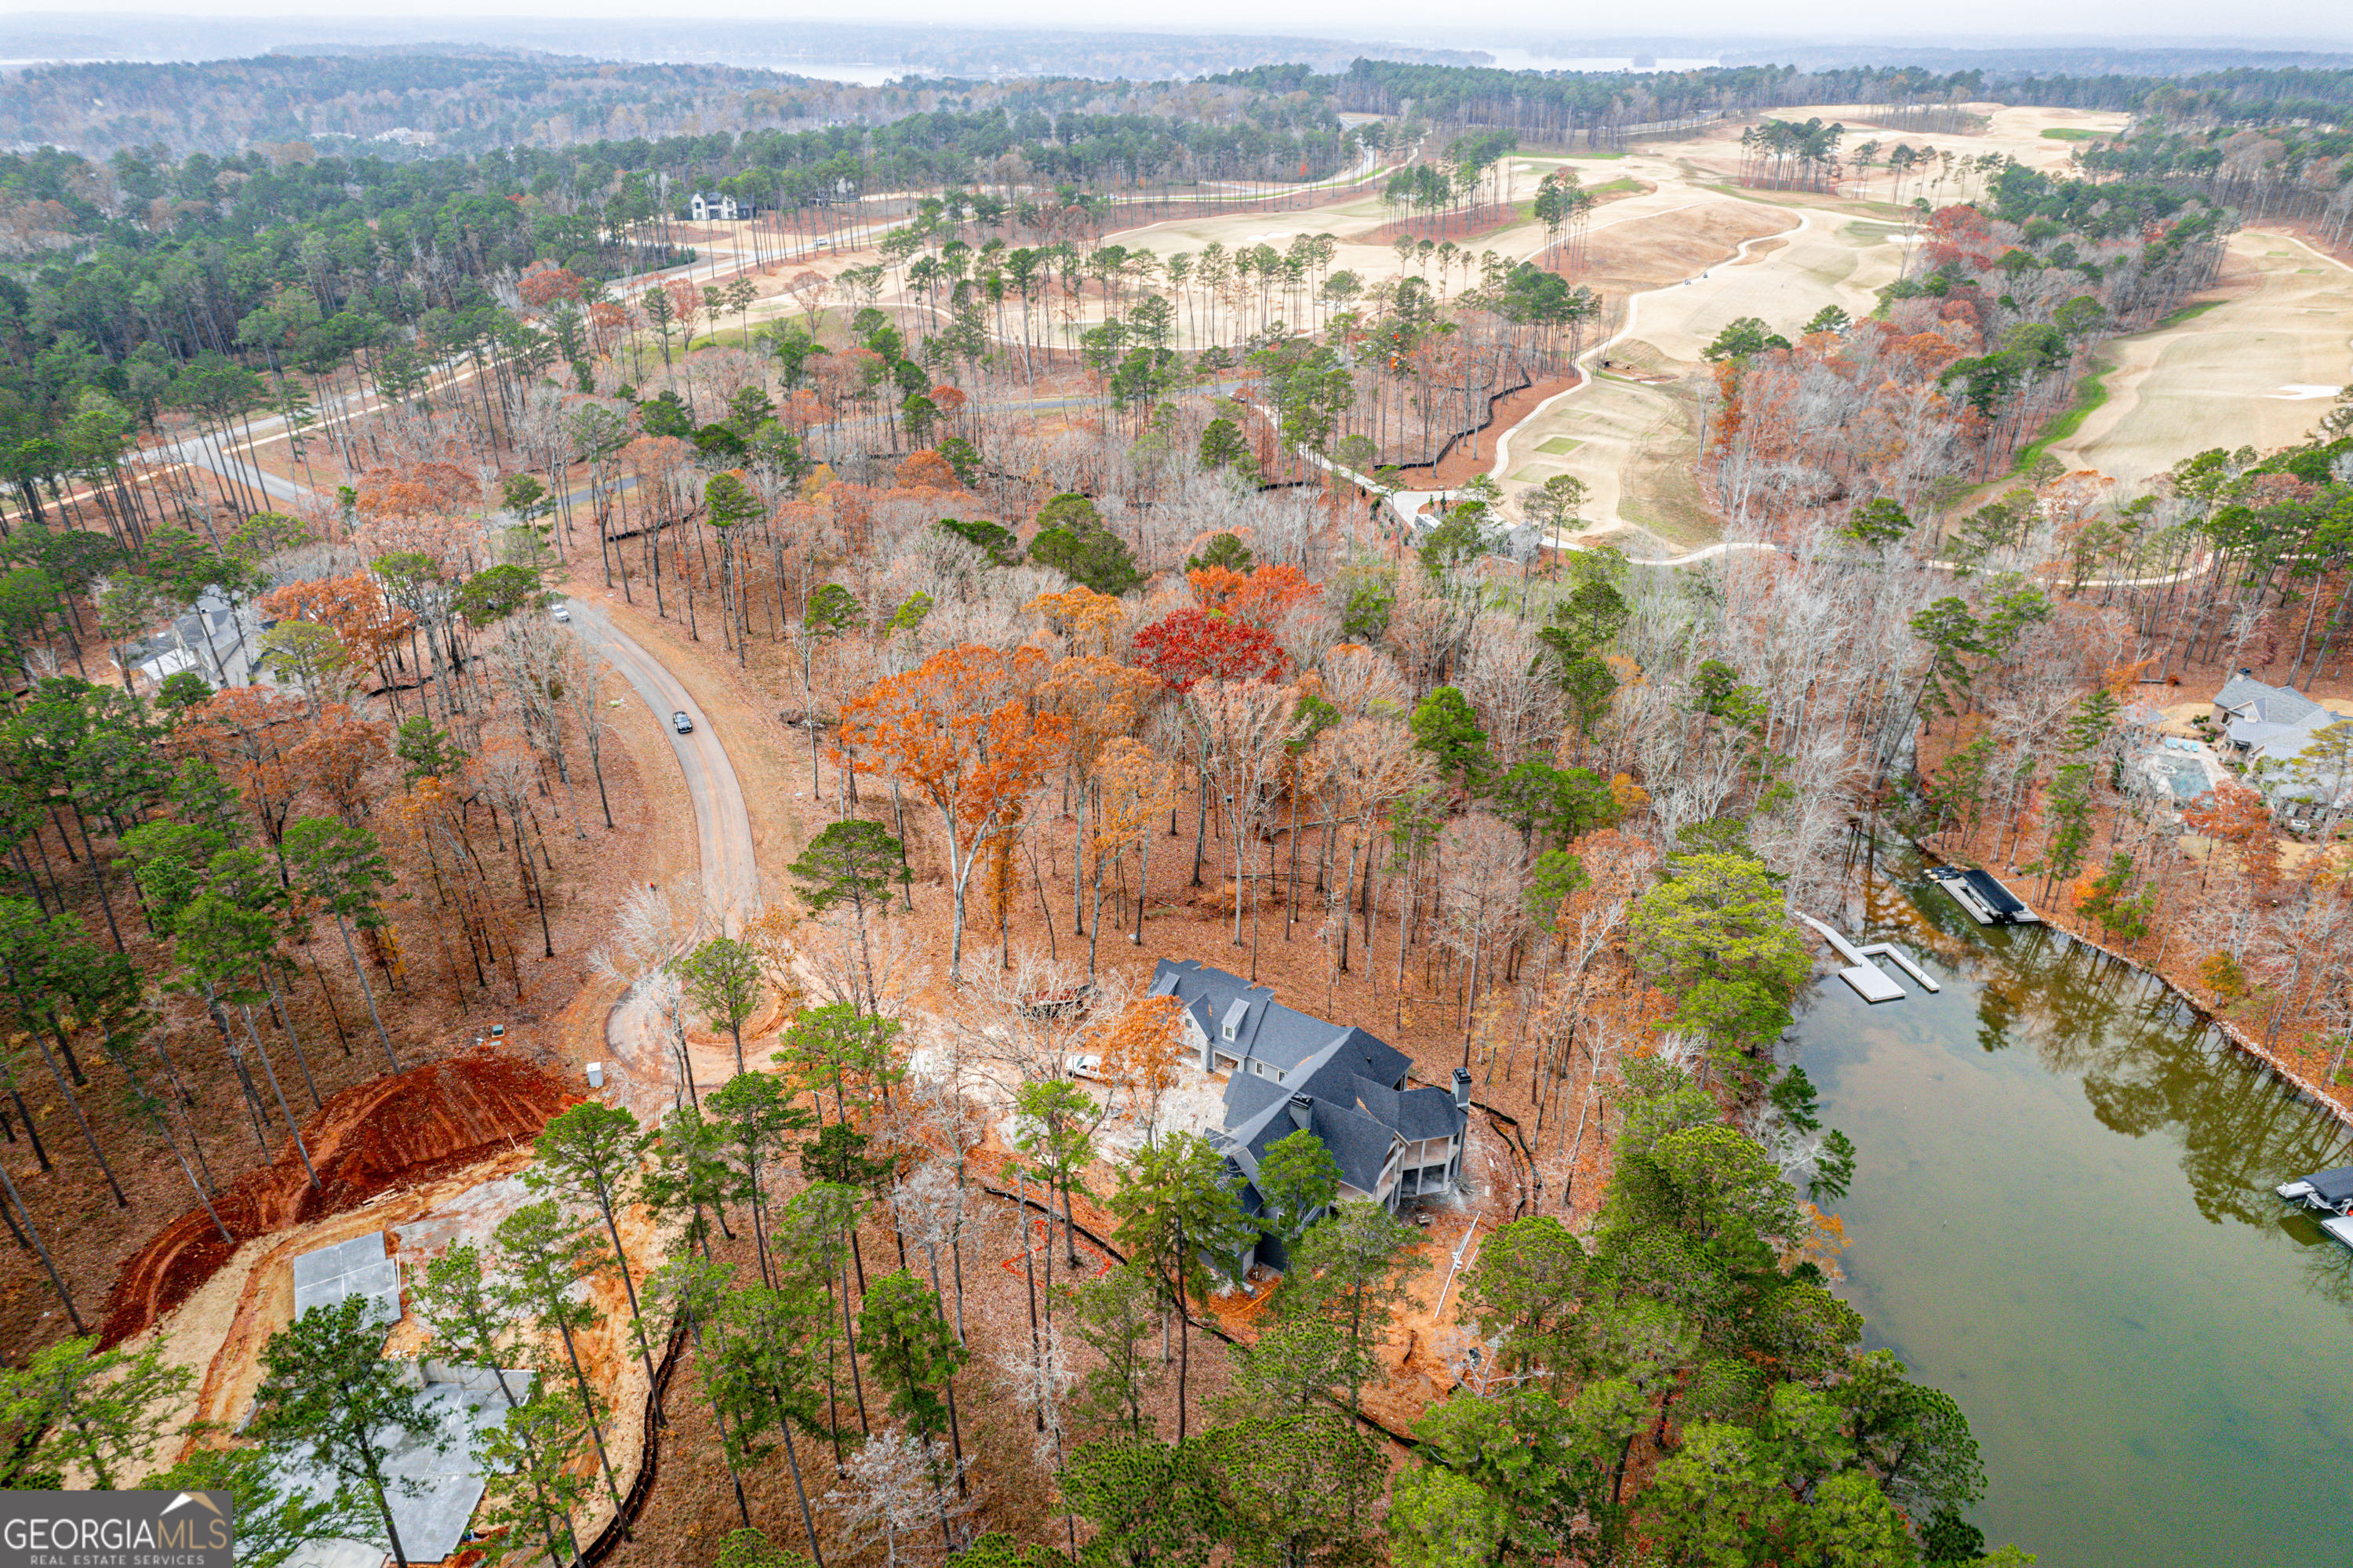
x=2063, y=1215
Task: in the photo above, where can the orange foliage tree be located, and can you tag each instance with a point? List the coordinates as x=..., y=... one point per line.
x=1257, y=598
x=244, y=732
x=1135, y=788
x=925, y=469
x=1103, y=700
x=336, y=757
x=685, y=308
x=545, y=285
x=1141, y=1048
x=354, y=608
x=415, y=490
x=1088, y=620
x=964, y=731
x=2235, y=821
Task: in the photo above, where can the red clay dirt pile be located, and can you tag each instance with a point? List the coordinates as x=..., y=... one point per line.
x=391, y=1131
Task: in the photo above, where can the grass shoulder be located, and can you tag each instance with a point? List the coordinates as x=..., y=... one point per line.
x=2187, y=313
x=2090, y=393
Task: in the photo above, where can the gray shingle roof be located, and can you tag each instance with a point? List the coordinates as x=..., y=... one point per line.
x=1247, y=1095
x=1428, y=1113
x=2249, y=699
x=1353, y=1080
x=1356, y=1141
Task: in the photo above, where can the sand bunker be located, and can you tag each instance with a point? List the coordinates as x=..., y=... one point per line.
x=1632, y=433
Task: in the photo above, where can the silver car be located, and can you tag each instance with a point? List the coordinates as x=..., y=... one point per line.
x=681, y=723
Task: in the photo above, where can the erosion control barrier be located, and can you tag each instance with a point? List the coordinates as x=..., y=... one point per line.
x=641, y=1486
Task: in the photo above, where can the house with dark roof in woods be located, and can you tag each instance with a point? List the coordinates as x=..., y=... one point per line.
x=1289, y=1071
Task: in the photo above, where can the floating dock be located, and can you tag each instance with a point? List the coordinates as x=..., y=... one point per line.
x=1868, y=980
x=1987, y=900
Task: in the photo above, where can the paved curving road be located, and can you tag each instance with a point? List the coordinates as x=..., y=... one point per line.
x=730, y=876
x=637, y=1034
x=730, y=872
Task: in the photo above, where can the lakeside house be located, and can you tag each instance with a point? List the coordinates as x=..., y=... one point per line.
x=1288, y=1071
x=2254, y=716
x=217, y=638
x=2272, y=728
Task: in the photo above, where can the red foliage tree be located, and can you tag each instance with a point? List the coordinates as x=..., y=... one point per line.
x=542, y=286
x=1188, y=646
x=1960, y=234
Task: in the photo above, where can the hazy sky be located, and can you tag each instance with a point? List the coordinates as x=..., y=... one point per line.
x=2085, y=21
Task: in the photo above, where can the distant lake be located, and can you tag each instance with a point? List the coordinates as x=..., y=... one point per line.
x=1520, y=59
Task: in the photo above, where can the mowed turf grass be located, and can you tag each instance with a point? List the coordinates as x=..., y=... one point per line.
x=1636, y=442
x=2235, y=370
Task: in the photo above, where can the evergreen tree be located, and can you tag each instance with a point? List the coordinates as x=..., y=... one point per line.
x=77, y=1407
x=329, y=1398
x=1444, y=725
x=342, y=867
x=1180, y=1218
x=1297, y=1180
x=723, y=976
x=591, y=1155
x=1072, y=539
x=545, y=1253
x=273, y=1520
x=1354, y=1271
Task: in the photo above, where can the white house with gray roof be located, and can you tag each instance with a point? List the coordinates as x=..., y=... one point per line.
x=2253, y=714
x=1289, y=1071
x=2271, y=726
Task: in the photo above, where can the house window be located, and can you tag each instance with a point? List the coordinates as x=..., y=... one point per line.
x=1229, y=1031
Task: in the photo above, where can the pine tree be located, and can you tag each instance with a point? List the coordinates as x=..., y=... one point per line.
x=330, y=1398
x=591, y=1156
x=543, y=1252
x=1180, y=1219
x=342, y=867
x=723, y=976
x=102, y=1411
